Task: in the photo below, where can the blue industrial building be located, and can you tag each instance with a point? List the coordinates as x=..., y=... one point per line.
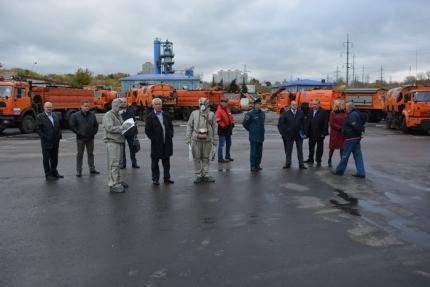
x=163, y=71
x=301, y=85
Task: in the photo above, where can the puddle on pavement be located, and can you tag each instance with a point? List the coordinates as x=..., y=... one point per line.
x=350, y=204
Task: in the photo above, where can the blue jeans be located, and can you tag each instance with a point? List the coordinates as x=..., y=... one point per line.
x=224, y=139
x=354, y=147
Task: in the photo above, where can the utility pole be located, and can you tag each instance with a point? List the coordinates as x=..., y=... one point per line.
x=362, y=74
x=353, y=70
x=348, y=44
x=382, y=72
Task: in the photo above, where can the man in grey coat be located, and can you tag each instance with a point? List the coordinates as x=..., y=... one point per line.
x=201, y=135
x=114, y=139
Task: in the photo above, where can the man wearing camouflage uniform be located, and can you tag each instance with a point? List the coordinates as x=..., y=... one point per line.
x=201, y=135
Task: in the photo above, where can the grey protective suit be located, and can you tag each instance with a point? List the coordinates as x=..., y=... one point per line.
x=202, y=148
x=114, y=140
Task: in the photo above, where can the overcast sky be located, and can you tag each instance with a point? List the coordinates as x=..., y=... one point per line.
x=276, y=39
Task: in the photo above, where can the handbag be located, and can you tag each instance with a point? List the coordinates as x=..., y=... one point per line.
x=136, y=144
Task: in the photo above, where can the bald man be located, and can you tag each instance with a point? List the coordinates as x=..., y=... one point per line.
x=49, y=130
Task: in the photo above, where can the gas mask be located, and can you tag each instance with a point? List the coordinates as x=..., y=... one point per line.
x=203, y=103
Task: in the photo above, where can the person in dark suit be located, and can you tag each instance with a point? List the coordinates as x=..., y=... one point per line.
x=49, y=130
x=129, y=113
x=316, y=131
x=159, y=129
x=291, y=126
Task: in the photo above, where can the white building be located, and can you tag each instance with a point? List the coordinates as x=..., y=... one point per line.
x=230, y=75
x=148, y=68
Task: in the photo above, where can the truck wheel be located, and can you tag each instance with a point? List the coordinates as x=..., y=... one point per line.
x=27, y=125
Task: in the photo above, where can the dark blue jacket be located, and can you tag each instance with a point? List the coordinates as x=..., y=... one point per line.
x=254, y=124
x=354, y=125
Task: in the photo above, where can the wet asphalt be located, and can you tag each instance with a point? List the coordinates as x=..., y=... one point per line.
x=273, y=228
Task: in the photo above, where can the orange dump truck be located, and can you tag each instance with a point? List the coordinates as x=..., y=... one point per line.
x=370, y=102
x=21, y=101
x=187, y=101
x=141, y=98
x=103, y=99
x=408, y=108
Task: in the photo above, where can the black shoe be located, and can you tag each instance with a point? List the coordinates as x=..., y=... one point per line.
x=318, y=164
x=58, y=176
x=309, y=161
x=303, y=166
x=259, y=168
x=230, y=159
x=94, y=171
x=208, y=179
x=78, y=174
x=254, y=169
x=155, y=182
x=286, y=166
x=335, y=173
x=329, y=163
x=116, y=189
x=198, y=180
x=223, y=160
x=124, y=184
x=50, y=178
x=135, y=166
x=168, y=181
x=359, y=175
x=122, y=166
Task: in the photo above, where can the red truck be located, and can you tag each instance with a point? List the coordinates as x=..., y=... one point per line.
x=21, y=101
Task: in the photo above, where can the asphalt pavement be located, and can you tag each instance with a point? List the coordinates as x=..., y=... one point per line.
x=273, y=228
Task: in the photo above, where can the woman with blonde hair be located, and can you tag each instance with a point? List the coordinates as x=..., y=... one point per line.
x=337, y=118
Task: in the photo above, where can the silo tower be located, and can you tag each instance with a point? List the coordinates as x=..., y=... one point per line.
x=167, y=58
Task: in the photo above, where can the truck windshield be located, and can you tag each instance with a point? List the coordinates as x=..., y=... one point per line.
x=5, y=92
x=423, y=96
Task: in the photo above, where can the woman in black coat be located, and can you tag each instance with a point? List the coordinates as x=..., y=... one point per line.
x=161, y=134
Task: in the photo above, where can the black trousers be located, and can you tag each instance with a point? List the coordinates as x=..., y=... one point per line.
x=123, y=162
x=156, y=169
x=288, y=147
x=319, y=142
x=50, y=161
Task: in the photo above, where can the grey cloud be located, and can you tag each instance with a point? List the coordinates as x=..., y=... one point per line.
x=275, y=39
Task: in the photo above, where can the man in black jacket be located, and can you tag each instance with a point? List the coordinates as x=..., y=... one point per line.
x=129, y=113
x=291, y=126
x=159, y=129
x=84, y=125
x=316, y=130
x=48, y=128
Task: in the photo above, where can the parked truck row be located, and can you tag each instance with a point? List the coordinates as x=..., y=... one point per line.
x=403, y=108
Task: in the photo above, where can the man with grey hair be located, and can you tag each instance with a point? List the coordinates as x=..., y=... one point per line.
x=49, y=130
x=159, y=129
x=114, y=139
x=201, y=135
